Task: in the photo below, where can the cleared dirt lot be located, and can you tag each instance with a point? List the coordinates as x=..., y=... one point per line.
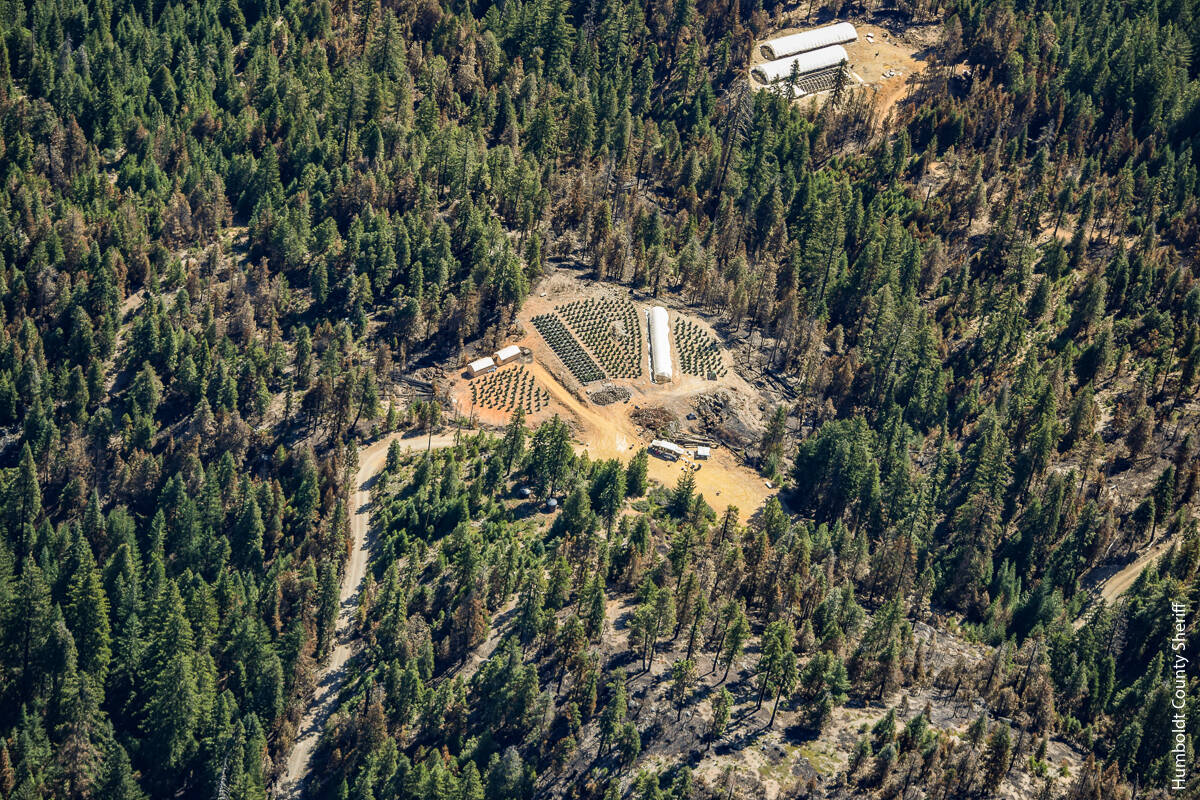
x=607, y=431
x=883, y=60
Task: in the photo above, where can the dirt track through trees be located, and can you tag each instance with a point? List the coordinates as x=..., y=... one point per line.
x=323, y=702
x=1119, y=582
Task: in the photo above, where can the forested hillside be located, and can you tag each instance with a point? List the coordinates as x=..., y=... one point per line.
x=229, y=229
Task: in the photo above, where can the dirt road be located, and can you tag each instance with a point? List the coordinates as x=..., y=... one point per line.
x=1119, y=582
x=1117, y=585
x=329, y=682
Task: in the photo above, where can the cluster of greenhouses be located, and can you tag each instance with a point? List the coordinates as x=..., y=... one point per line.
x=508, y=390
x=568, y=350
x=610, y=328
x=699, y=353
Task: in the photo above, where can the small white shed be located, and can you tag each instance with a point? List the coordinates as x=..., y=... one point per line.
x=507, y=354
x=703, y=451
x=481, y=366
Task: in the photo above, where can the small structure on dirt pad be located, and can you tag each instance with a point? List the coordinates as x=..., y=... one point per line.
x=813, y=61
x=668, y=450
x=660, y=345
x=551, y=504
x=507, y=354
x=481, y=366
x=703, y=452
x=790, y=45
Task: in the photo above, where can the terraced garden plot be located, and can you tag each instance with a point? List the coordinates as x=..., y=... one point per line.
x=611, y=330
x=508, y=390
x=568, y=350
x=699, y=353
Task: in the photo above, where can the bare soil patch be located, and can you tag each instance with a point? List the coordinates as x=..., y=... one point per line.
x=655, y=419
x=609, y=395
x=606, y=430
x=884, y=59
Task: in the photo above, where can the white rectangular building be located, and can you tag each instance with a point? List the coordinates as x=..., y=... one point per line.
x=506, y=354
x=660, y=345
x=703, y=452
x=480, y=366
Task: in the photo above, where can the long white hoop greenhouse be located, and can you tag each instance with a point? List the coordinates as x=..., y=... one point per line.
x=793, y=43
x=660, y=346
x=824, y=58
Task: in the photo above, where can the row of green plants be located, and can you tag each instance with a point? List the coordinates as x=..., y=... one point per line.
x=611, y=330
x=567, y=348
x=508, y=390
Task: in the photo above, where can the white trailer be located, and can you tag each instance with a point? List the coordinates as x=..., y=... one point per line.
x=668, y=450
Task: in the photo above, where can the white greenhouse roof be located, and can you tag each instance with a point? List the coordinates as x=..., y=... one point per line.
x=660, y=346
x=778, y=70
x=506, y=353
x=793, y=43
x=480, y=364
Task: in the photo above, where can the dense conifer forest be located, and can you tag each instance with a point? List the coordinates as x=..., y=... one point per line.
x=229, y=229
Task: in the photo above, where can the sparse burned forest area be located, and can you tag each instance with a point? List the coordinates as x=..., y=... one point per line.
x=625, y=399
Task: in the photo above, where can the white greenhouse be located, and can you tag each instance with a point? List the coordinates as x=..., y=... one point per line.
x=825, y=58
x=793, y=43
x=481, y=366
x=506, y=354
x=660, y=345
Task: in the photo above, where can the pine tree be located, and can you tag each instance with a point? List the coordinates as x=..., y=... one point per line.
x=86, y=612
x=171, y=709
x=734, y=637
x=117, y=781
x=635, y=473
x=81, y=732
x=608, y=491
x=721, y=712
x=683, y=676
x=513, y=446
x=613, y=716
x=996, y=757
x=681, y=497
x=25, y=506
x=248, y=535
x=776, y=663
x=550, y=455
x=327, y=607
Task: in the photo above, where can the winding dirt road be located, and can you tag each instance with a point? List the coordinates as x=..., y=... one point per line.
x=1119, y=582
x=1117, y=585
x=371, y=459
